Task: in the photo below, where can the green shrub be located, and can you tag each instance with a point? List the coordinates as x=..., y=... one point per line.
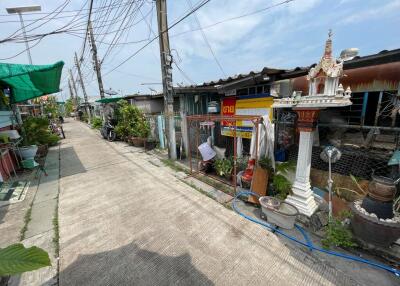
x=36, y=132
x=338, y=233
x=265, y=163
x=97, y=122
x=223, y=167
x=281, y=185
x=121, y=130
x=131, y=121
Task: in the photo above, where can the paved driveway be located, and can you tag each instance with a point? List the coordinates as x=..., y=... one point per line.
x=125, y=221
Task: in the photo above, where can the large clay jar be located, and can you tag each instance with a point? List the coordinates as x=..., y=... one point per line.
x=381, y=188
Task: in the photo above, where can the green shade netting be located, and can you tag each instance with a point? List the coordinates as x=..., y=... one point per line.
x=109, y=99
x=30, y=81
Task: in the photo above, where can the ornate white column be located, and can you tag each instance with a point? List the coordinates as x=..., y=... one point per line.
x=302, y=195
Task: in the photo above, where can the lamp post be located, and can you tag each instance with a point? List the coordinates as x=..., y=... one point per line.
x=19, y=11
x=330, y=155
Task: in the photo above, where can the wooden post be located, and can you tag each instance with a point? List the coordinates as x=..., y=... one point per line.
x=378, y=109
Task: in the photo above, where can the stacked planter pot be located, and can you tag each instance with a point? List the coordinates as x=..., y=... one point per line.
x=374, y=220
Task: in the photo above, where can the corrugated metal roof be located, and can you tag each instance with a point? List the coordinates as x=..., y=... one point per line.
x=382, y=57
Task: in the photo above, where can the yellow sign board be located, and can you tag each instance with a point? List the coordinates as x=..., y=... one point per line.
x=258, y=106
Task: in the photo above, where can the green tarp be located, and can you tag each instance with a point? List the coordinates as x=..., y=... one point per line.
x=109, y=99
x=30, y=81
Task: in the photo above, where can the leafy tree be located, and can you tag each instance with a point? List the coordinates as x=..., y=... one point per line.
x=97, y=122
x=69, y=106
x=52, y=107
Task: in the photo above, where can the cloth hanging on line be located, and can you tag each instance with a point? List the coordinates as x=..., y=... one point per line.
x=239, y=147
x=266, y=139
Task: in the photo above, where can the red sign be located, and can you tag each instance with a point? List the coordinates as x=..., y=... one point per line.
x=228, y=109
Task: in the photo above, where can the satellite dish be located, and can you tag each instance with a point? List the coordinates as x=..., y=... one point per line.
x=110, y=92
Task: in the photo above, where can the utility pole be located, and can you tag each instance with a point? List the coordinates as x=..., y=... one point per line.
x=96, y=67
x=71, y=94
x=74, y=86
x=95, y=60
x=83, y=88
x=166, y=72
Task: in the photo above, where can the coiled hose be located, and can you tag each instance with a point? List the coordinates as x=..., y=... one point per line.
x=307, y=243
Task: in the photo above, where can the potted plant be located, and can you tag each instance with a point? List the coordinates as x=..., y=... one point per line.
x=280, y=183
x=36, y=133
x=150, y=144
x=224, y=168
x=132, y=124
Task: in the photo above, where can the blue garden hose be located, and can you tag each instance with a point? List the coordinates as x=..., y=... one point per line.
x=307, y=242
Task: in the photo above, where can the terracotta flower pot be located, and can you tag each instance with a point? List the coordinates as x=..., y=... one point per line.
x=137, y=141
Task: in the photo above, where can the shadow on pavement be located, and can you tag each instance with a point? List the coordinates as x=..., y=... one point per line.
x=130, y=265
x=70, y=163
x=3, y=212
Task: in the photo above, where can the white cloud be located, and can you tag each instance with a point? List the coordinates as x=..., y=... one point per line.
x=391, y=8
x=302, y=5
x=236, y=33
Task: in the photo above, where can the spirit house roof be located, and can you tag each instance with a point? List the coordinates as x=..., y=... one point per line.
x=328, y=66
x=324, y=88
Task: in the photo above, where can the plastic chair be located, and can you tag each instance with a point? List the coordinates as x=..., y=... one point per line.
x=31, y=164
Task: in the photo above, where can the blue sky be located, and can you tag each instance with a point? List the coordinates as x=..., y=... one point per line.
x=286, y=36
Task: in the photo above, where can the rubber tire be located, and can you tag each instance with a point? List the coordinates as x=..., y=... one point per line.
x=111, y=135
x=62, y=132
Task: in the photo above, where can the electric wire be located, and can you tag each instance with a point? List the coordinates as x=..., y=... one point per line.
x=62, y=6
x=154, y=38
x=206, y=40
x=234, y=18
x=132, y=15
x=151, y=31
x=87, y=27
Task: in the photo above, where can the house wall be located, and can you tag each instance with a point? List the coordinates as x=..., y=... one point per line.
x=191, y=104
x=6, y=118
x=149, y=105
x=375, y=95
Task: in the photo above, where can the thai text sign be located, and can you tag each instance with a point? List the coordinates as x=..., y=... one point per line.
x=246, y=105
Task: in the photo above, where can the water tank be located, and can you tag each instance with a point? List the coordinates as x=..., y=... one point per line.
x=349, y=54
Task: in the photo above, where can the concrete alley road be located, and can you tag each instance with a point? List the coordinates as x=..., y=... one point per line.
x=126, y=221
